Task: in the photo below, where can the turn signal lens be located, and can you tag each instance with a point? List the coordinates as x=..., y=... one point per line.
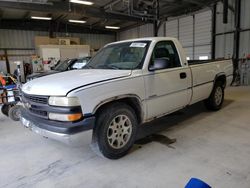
x=74, y=117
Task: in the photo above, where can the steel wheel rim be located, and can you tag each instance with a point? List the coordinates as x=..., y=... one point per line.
x=218, y=95
x=17, y=113
x=119, y=131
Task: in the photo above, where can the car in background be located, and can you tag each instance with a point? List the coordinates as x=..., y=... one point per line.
x=69, y=64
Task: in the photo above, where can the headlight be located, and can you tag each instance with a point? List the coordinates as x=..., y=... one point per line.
x=65, y=117
x=64, y=101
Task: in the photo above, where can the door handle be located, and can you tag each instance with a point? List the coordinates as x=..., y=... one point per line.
x=183, y=75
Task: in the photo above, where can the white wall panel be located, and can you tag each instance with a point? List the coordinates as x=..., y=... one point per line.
x=161, y=31
x=172, y=28
x=220, y=27
x=19, y=38
x=202, y=51
x=146, y=30
x=203, y=25
x=245, y=14
x=224, y=46
x=95, y=41
x=186, y=31
x=189, y=52
x=25, y=39
x=128, y=34
x=244, y=44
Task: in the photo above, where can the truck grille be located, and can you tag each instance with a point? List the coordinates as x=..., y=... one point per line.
x=38, y=112
x=35, y=104
x=36, y=99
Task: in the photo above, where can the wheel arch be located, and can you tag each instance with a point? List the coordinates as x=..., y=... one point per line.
x=222, y=78
x=130, y=99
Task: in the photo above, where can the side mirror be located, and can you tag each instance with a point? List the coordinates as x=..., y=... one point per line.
x=160, y=63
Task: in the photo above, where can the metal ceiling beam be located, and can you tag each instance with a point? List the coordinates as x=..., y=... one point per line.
x=199, y=3
x=26, y=15
x=63, y=7
x=184, y=8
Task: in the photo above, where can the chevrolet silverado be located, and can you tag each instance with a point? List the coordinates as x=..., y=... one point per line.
x=127, y=83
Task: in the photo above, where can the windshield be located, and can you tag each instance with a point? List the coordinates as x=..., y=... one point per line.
x=126, y=56
x=62, y=66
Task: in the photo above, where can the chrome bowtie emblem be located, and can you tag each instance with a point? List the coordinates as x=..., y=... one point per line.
x=27, y=105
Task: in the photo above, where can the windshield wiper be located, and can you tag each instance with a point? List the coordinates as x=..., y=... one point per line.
x=88, y=67
x=113, y=67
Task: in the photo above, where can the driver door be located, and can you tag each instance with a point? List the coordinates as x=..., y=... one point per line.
x=167, y=88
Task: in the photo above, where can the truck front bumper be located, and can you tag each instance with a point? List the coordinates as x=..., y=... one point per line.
x=67, y=132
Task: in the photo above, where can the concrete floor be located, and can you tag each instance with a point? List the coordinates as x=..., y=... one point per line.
x=213, y=146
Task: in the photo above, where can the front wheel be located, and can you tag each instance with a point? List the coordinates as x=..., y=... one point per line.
x=115, y=130
x=15, y=112
x=216, y=98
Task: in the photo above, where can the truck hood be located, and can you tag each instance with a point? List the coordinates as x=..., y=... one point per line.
x=40, y=74
x=61, y=83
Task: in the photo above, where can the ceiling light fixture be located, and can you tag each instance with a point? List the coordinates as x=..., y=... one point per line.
x=82, y=2
x=77, y=21
x=111, y=27
x=41, y=18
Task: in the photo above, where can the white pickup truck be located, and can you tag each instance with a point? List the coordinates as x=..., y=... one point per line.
x=126, y=84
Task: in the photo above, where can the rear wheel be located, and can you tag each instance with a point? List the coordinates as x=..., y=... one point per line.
x=216, y=98
x=115, y=130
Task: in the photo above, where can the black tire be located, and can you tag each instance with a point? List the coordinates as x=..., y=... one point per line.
x=213, y=103
x=5, y=109
x=15, y=112
x=107, y=124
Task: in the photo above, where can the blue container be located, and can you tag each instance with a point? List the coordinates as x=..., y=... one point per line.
x=196, y=183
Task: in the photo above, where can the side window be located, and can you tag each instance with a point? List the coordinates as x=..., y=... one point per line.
x=166, y=50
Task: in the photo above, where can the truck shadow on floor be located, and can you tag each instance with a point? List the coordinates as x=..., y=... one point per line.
x=149, y=132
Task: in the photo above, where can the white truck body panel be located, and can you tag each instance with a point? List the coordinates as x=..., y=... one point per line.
x=204, y=75
x=110, y=90
x=166, y=87
x=61, y=83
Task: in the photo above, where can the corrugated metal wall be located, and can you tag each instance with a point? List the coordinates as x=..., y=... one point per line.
x=137, y=32
x=19, y=38
x=245, y=14
x=23, y=39
x=194, y=33
x=225, y=32
x=224, y=46
x=224, y=42
x=172, y=28
x=203, y=34
x=186, y=31
x=95, y=41
x=245, y=24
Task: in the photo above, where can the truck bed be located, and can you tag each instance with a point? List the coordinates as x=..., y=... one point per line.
x=196, y=62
